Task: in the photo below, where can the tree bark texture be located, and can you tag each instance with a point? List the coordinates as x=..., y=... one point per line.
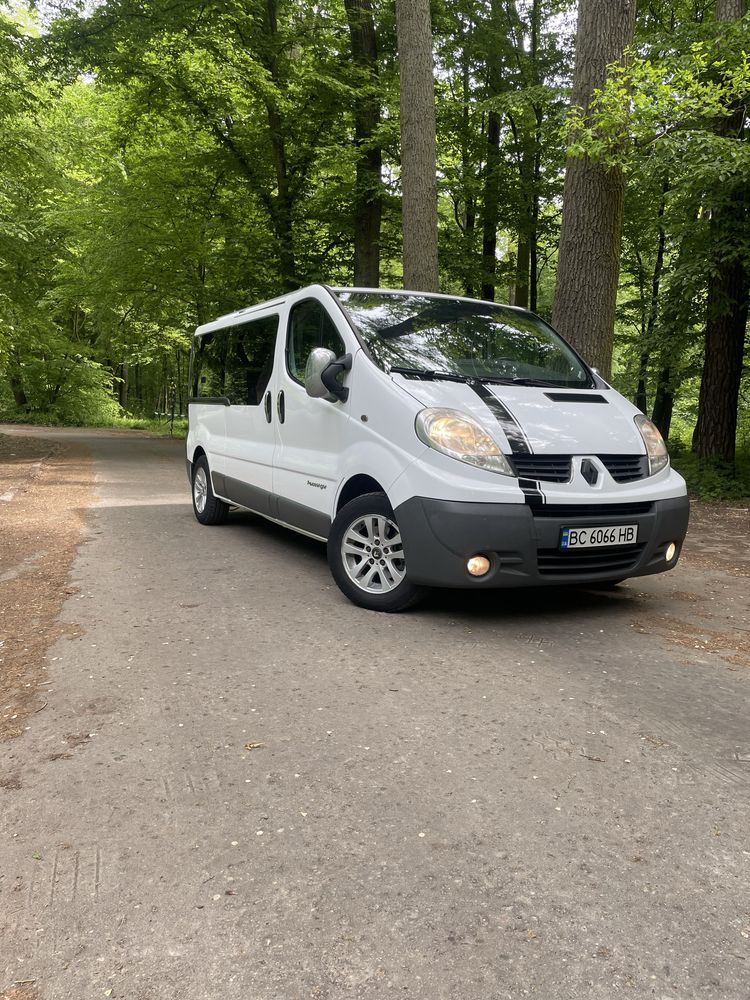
x=641, y=399
x=663, y=402
x=727, y=305
x=490, y=207
x=368, y=196
x=730, y=10
x=726, y=324
x=418, y=145
x=589, y=260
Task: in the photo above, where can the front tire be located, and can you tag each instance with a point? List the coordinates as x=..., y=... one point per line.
x=207, y=508
x=366, y=556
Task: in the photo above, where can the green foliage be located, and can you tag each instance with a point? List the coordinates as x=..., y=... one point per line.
x=164, y=163
x=716, y=482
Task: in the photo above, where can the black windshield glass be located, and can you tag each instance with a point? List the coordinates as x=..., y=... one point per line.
x=462, y=338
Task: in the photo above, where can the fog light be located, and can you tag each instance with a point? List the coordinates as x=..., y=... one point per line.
x=478, y=565
x=671, y=552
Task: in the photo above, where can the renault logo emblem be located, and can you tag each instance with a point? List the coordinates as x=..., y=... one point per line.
x=589, y=472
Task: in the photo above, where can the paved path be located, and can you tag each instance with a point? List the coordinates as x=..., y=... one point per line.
x=496, y=797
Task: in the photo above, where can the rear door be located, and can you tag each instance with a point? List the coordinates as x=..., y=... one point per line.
x=312, y=433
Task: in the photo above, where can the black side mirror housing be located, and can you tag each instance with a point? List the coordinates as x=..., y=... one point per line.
x=329, y=375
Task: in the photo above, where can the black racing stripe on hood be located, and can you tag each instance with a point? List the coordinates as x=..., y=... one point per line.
x=519, y=443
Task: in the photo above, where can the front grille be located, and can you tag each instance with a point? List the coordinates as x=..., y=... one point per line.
x=626, y=468
x=544, y=468
x=558, y=468
x=599, y=512
x=552, y=562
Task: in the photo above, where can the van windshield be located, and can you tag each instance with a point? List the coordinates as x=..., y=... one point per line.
x=461, y=339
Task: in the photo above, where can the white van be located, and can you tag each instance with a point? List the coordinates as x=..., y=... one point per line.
x=431, y=441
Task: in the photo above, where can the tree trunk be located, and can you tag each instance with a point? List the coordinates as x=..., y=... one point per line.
x=368, y=196
x=663, y=402
x=282, y=205
x=523, y=260
x=589, y=261
x=490, y=207
x=727, y=305
x=470, y=214
x=19, y=395
x=641, y=400
x=418, y=145
x=537, y=162
x=122, y=386
x=716, y=429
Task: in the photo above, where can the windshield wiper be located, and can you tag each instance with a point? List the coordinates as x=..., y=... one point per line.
x=535, y=381
x=548, y=384
x=429, y=373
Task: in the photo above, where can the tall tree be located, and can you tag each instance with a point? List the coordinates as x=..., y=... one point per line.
x=418, y=145
x=728, y=292
x=493, y=164
x=368, y=195
x=589, y=261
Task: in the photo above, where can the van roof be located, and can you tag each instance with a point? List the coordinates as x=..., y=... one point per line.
x=233, y=318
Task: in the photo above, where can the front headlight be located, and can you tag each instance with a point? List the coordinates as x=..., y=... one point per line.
x=460, y=436
x=658, y=457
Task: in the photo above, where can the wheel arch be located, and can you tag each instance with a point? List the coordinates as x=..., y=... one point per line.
x=357, y=486
x=198, y=451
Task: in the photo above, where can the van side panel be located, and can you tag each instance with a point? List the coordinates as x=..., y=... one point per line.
x=207, y=429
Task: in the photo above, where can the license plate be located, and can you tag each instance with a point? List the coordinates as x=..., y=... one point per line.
x=591, y=538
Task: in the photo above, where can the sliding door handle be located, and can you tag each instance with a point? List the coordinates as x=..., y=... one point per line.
x=280, y=406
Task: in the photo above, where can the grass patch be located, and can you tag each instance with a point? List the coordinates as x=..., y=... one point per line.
x=162, y=427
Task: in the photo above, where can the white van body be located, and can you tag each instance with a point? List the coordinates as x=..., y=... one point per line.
x=578, y=461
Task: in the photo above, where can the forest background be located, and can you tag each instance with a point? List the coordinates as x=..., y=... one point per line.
x=168, y=161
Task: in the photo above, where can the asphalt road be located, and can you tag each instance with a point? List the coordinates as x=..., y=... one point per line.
x=510, y=795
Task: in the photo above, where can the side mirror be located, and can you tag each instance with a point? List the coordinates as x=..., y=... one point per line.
x=319, y=359
x=321, y=372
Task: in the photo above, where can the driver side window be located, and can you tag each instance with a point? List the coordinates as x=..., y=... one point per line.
x=310, y=326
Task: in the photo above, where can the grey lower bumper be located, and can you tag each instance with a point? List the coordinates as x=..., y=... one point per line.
x=523, y=545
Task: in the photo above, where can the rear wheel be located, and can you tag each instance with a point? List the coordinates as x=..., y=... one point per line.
x=206, y=507
x=366, y=556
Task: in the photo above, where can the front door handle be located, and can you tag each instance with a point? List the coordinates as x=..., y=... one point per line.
x=280, y=406
x=267, y=404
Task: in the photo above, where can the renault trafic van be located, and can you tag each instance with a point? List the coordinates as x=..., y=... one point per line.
x=430, y=441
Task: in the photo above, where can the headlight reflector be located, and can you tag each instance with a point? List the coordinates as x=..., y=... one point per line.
x=658, y=457
x=461, y=437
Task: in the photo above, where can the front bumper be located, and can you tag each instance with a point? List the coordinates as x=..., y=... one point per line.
x=522, y=544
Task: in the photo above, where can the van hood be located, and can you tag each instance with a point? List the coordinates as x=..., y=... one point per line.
x=543, y=420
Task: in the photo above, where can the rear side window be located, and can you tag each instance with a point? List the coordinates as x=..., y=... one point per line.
x=235, y=362
x=310, y=326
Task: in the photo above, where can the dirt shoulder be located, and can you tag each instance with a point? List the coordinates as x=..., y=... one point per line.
x=45, y=489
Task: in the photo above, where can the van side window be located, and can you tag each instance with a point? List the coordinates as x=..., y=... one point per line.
x=236, y=362
x=251, y=360
x=209, y=364
x=310, y=326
